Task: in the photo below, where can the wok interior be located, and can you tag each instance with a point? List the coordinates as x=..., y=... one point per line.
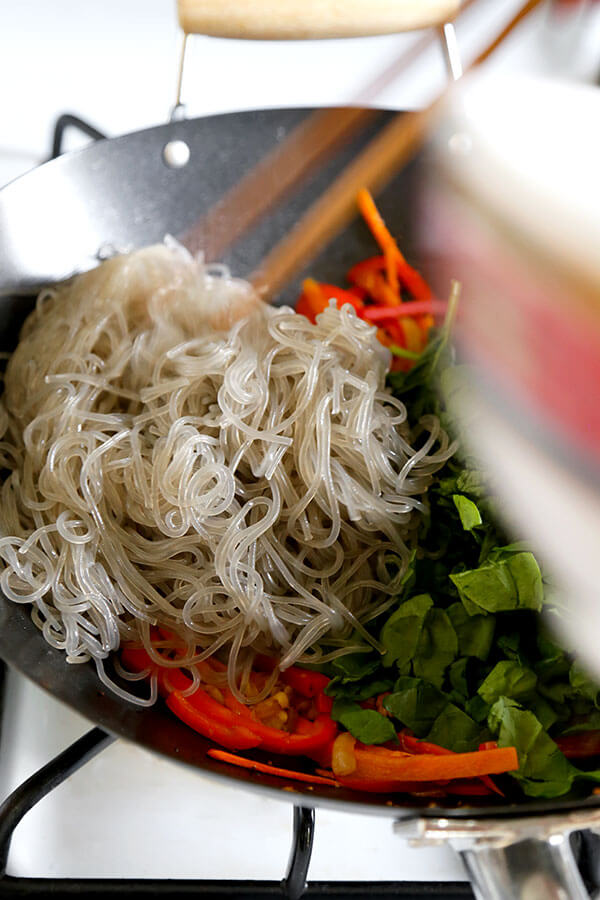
x=22, y=645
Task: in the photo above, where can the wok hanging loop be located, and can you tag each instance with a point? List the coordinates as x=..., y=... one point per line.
x=527, y=858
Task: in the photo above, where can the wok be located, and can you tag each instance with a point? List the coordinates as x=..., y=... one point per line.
x=122, y=193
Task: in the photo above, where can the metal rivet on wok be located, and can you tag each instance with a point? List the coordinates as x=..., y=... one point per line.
x=176, y=154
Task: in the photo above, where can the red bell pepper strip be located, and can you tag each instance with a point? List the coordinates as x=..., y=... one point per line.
x=307, y=738
x=341, y=296
x=359, y=269
x=387, y=314
x=244, y=763
x=581, y=745
x=386, y=785
x=234, y=721
x=377, y=288
x=462, y=788
x=310, y=685
x=488, y=745
x=316, y=295
x=228, y=734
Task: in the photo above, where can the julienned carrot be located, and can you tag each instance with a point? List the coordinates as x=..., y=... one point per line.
x=391, y=269
x=374, y=220
x=380, y=763
x=410, y=278
x=244, y=763
x=236, y=737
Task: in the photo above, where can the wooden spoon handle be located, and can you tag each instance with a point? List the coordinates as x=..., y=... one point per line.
x=308, y=19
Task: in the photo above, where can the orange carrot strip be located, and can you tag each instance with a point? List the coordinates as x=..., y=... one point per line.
x=391, y=270
x=411, y=744
x=377, y=226
x=412, y=280
x=244, y=763
x=380, y=763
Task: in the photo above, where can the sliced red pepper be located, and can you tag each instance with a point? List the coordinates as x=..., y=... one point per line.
x=411, y=744
x=233, y=735
x=310, y=685
x=377, y=287
x=316, y=295
x=410, y=278
x=385, y=314
x=460, y=787
x=341, y=296
x=373, y=264
x=581, y=745
x=386, y=786
x=307, y=738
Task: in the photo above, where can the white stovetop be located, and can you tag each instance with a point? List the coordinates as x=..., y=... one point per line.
x=127, y=813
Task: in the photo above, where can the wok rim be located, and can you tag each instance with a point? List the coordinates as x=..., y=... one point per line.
x=302, y=795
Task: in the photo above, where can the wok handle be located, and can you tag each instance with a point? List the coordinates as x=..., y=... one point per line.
x=531, y=869
x=512, y=857
x=308, y=19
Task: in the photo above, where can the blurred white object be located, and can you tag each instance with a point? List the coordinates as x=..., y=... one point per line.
x=512, y=210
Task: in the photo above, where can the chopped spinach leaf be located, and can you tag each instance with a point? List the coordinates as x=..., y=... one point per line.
x=366, y=725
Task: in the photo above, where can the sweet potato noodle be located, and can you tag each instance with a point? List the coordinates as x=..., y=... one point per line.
x=181, y=455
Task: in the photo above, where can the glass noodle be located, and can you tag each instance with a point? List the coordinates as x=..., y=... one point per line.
x=179, y=454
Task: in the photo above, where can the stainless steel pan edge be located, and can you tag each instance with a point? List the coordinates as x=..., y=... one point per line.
x=122, y=194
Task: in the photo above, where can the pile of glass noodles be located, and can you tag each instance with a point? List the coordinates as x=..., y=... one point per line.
x=185, y=463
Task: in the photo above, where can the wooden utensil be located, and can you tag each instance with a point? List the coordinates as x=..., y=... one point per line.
x=310, y=19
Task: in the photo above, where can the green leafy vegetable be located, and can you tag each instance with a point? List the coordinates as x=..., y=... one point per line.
x=455, y=730
x=354, y=666
x=400, y=634
x=415, y=704
x=514, y=582
x=475, y=633
x=457, y=675
x=508, y=678
x=366, y=725
x=358, y=692
x=468, y=512
x=466, y=656
x=437, y=647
